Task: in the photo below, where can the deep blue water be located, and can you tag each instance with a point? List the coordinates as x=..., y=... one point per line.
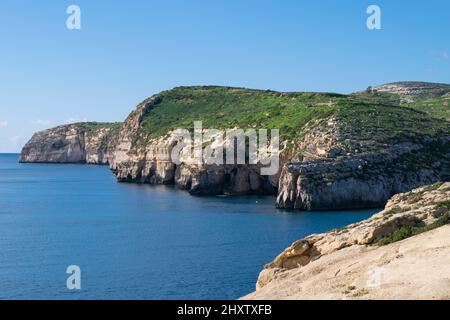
x=136, y=241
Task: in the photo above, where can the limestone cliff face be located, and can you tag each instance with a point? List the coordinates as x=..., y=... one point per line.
x=404, y=216
x=413, y=90
x=74, y=143
x=128, y=132
x=342, y=170
x=147, y=163
x=151, y=163
x=338, y=152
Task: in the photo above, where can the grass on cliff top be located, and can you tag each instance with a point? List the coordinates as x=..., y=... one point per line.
x=386, y=123
x=374, y=97
x=407, y=232
x=437, y=108
x=435, y=100
x=370, y=117
x=91, y=126
x=224, y=108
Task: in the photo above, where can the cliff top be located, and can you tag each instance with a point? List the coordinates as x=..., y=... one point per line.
x=84, y=126
x=381, y=113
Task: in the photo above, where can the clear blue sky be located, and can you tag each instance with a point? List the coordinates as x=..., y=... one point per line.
x=128, y=50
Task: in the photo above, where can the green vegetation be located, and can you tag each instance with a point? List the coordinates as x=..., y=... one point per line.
x=384, y=98
x=432, y=187
x=414, y=197
x=341, y=230
x=223, y=107
x=437, y=108
x=385, y=123
x=445, y=204
x=91, y=126
x=407, y=232
x=425, y=90
x=368, y=115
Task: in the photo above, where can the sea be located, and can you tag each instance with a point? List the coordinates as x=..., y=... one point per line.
x=131, y=241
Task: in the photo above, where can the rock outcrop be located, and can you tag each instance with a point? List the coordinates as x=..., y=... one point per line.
x=411, y=91
x=341, y=169
x=413, y=269
x=74, y=143
x=332, y=166
x=404, y=216
x=337, y=151
x=140, y=159
x=152, y=164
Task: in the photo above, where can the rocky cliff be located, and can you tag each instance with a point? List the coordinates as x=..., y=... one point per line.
x=371, y=258
x=337, y=151
x=74, y=143
x=144, y=156
x=356, y=165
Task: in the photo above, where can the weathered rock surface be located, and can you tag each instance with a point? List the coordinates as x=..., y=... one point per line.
x=333, y=166
x=74, y=143
x=343, y=170
x=151, y=163
x=413, y=212
x=353, y=151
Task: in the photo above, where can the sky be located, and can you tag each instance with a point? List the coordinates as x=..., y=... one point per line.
x=128, y=50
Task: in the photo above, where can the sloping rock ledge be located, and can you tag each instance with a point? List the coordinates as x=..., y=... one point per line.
x=352, y=263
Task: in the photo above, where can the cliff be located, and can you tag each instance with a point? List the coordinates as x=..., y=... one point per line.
x=363, y=156
x=89, y=142
x=401, y=252
x=337, y=151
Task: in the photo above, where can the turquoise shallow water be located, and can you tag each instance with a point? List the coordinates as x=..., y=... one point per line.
x=136, y=241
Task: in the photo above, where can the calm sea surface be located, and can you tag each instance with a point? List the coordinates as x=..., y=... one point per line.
x=136, y=241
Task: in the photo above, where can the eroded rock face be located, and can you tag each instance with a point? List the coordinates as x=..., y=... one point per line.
x=151, y=163
x=331, y=163
x=418, y=208
x=74, y=143
x=412, y=91
x=340, y=171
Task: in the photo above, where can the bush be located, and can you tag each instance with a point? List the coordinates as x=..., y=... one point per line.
x=407, y=232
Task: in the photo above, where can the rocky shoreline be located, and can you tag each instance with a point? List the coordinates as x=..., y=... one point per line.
x=371, y=258
x=383, y=146
x=90, y=143
x=348, y=152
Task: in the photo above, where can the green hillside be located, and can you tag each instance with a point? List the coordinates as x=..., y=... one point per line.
x=223, y=107
x=375, y=116
x=438, y=107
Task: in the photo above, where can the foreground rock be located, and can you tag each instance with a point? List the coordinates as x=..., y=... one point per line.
x=371, y=259
x=415, y=268
x=74, y=143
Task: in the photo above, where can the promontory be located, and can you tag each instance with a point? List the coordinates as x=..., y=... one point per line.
x=338, y=151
